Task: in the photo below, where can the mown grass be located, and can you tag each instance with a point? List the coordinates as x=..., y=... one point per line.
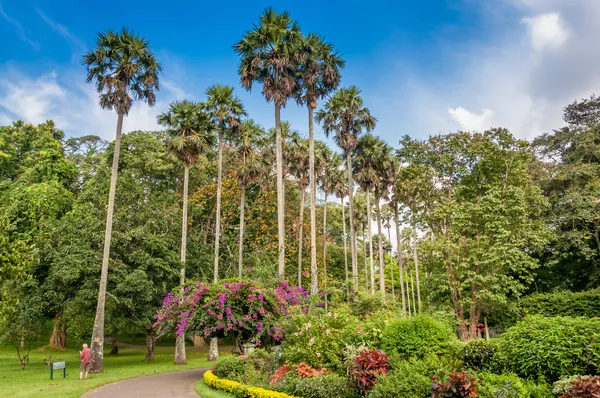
x=206, y=392
x=34, y=380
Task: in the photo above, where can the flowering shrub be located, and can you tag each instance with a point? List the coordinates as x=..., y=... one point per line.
x=306, y=371
x=459, y=385
x=240, y=390
x=319, y=339
x=369, y=365
x=243, y=310
x=279, y=374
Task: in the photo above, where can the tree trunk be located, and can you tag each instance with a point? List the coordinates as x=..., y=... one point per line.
x=58, y=338
x=300, y=236
x=351, y=216
x=150, y=344
x=364, y=246
x=399, y=242
x=345, y=245
x=380, y=249
x=416, y=259
x=325, y=245
x=198, y=341
x=242, y=221
x=487, y=331
x=407, y=291
x=391, y=261
x=314, y=276
x=213, y=350
x=180, y=357
x=280, y=193
x=412, y=288
x=370, y=236
x=218, y=217
x=97, y=348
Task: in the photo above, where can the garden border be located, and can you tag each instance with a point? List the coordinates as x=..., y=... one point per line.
x=234, y=387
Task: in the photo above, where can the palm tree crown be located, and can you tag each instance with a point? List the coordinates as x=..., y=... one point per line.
x=123, y=67
x=225, y=108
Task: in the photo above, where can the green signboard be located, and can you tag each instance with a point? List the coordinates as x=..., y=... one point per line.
x=57, y=366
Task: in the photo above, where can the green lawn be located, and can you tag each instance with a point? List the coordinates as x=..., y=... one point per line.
x=206, y=392
x=35, y=381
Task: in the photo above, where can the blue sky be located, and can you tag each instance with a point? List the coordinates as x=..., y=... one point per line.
x=425, y=67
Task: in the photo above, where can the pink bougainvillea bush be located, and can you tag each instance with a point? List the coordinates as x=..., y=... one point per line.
x=242, y=310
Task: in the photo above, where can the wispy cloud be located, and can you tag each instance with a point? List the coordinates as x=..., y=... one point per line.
x=62, y=30
x=18, y=29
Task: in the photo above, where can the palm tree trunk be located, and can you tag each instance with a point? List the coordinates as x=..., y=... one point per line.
x=314, y=284
x=242, y=220
x=345, y=245
x=416, y=259
x=180, y=356
x=400, y=267
x=97, y=363
x=218, y=217
x=352, y=231
x=280, y=192
x=300, y=235
x=325, y=248
x=412, y=288
x=391, y=261
x=364, y=246
x=370, y=236
x=407, y=291
x=380, y=249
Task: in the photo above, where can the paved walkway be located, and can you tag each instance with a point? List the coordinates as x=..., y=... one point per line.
x=178, y=384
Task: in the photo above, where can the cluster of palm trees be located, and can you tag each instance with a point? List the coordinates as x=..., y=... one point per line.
x=288, y=66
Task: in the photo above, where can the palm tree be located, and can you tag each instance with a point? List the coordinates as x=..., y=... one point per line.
x=124, y=69
x=297, y=161
x=340, y=188
x=318, y=74
x=387, y=216
x=331, y=163
x=191, y=135
x=251, y=167
x=268, y=56
x=345, y=116
x=383, y=167
x=226, y=110
x=367, y=152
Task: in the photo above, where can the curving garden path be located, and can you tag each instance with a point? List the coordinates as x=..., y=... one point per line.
x=178, y=384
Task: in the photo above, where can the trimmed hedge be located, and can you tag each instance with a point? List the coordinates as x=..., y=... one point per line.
x=585, y=304
x=240, y=390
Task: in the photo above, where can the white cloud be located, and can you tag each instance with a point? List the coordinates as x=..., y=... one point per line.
x=470, y=121
x=19, y=30
x=547, y=31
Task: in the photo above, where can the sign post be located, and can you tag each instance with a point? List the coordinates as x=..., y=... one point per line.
x=57, y=366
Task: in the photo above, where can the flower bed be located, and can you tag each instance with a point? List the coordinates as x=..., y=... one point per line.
x=239, y=389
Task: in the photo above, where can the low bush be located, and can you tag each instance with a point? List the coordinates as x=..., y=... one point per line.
x=538, y=390
x=408, y=378
x=561, y=386
x=457, y=385
x=239, y=390
x=586, y=304
x=231, y=367
x=365, y=304
x=418, y=336
x=547, y=348
x=478, y=354
x=584, y=387
x=369, y=365
x=502, y=386
x=326, y=386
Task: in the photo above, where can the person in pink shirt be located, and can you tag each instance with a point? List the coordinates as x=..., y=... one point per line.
x=86, y=357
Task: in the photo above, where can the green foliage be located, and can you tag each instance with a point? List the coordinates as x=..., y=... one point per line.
x=364, y=304
x=561, y=386
x=230, y=367
x=325, y=386
x=584, y=387
x=409, y=378
x=502, y=386
x=586, y=304
x=418, y=336
x=548, y=348
x=478, y=354
x=457, y=385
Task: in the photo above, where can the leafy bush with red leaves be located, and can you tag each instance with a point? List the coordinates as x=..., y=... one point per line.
x=369, y=365
x=584, y=387
x=306, y=371
x=459, y=385
x=279, y=374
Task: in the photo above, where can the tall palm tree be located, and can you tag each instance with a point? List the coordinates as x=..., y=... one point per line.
x=226, y=110
x=251, y=167
x=331, y=163
x=366, y=153
x=318, y=75
x=269, y=56
x=340, y=188
x=346, y=118
x=387, y=216
x=124, y=69
x=191, y=134
x=383, y=167
x=297, y=161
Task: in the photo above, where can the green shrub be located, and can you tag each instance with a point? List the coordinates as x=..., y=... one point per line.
x=586, y=304
x=327, y=386
x=365, y=304
x=502, y=386
x=538, y=390
x=418, y=336
x=548, y=348
x=408, y=378
x=231, y=367
x=561, y=386
x=478, y=354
